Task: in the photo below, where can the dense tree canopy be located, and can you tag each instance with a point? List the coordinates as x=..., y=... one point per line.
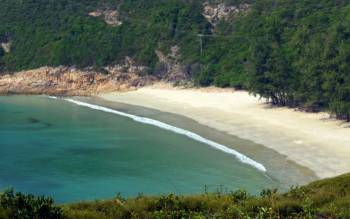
x=62, y=33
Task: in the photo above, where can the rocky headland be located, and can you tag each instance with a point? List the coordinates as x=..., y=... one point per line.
x=69, y=81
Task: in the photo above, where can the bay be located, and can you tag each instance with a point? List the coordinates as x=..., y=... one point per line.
x=72, y=153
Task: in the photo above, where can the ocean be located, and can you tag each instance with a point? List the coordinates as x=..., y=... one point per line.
x=74, y=151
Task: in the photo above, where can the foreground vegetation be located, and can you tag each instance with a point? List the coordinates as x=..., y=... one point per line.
x=292, y=52
x=328, y=198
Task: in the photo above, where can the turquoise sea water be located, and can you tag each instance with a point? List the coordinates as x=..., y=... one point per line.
x=53, y=147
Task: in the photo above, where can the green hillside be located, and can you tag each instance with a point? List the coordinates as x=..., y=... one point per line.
x=62, y=33
x=293, y=52
x=328, y=198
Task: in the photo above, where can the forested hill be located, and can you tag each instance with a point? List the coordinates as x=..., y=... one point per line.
x=294, y=52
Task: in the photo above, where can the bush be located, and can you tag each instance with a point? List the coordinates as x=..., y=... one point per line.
x=18, y=205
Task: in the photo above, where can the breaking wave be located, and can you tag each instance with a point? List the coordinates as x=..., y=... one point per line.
x=241, y=157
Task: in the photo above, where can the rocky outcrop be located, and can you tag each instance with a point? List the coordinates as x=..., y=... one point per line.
x=129, y=66
x=70, y=81
x=214, y=13
x=170, y=68
x=111, y=17
x=6, y=46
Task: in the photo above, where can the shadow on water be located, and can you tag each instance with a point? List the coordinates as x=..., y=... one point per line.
x=34, y=121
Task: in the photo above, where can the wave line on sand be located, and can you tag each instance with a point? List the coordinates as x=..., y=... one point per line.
x=241, y=157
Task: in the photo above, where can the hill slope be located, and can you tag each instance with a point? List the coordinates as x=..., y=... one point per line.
x=295, y=53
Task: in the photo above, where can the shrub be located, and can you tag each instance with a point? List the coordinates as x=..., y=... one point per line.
x=18, y=205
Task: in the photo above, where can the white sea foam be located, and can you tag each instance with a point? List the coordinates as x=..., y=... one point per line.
x=239, y=156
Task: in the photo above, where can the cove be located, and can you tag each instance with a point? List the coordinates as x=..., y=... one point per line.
x=72, y=153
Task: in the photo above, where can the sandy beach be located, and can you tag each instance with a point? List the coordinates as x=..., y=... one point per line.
x=312, y=140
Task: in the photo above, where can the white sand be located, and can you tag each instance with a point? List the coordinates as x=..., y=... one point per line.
x=309, y=139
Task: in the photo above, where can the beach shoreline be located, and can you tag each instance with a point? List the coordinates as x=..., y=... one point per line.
x=312, y=140
x=273, y=162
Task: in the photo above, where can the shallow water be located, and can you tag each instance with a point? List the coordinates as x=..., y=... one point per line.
x=53, y=147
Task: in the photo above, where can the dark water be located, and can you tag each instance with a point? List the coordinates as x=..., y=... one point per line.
x=52, y=147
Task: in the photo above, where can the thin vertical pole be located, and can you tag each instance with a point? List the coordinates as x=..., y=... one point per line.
x=201, y=42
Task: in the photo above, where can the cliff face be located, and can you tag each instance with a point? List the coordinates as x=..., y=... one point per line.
x=170, y=68
x=6, y=46
x=70, y=81
x=214, y=13
x=111, y=17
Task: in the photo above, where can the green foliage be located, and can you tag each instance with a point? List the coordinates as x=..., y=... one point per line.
x=62, y=33
x=2, y=52
x=298, y=54
x=19, y=206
